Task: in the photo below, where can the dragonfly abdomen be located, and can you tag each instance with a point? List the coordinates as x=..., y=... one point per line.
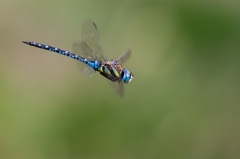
x=94, y=64
x=53, y=49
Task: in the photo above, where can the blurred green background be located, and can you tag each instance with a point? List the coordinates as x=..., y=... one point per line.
x=183, y=102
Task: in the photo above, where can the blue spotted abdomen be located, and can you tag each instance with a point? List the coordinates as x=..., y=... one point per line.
x=94, y=64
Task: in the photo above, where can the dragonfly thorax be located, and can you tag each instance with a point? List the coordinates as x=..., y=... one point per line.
x=111, y=70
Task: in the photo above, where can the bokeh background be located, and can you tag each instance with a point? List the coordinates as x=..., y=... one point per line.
x=183, y=102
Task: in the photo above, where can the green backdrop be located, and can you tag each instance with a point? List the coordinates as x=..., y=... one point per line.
x=183, y=102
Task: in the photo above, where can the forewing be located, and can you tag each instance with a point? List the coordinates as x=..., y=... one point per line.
x=120, y=89
x=117, y=87
x=90, y=36
x=124, y=57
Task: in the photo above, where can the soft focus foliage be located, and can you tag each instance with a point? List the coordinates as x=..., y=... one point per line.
x=182, y=103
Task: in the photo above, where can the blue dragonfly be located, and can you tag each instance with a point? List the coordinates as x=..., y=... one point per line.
x=90, y=53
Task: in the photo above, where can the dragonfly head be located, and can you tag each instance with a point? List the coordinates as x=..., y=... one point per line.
x=127, y=76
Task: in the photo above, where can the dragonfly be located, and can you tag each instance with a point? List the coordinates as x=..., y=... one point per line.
x=90, y=54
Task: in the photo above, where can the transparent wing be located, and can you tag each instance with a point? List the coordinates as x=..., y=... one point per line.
x=117, y=87
x=120, y=89
x=82, y=49
x=90, y=36
x=124, y=57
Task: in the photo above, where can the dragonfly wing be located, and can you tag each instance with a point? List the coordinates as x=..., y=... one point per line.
x=120, y=89
x=124, y=57
x=117, y=87
x=82, y=49
x=91, y=37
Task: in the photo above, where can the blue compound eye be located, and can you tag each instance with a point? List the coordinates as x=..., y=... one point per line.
x=127, y=77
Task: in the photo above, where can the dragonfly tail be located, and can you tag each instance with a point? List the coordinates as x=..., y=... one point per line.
x=94, y=64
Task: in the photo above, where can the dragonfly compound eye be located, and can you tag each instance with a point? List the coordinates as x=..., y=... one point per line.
x=127, y=77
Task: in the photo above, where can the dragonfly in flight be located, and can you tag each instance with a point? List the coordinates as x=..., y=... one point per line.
x=90, y=53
